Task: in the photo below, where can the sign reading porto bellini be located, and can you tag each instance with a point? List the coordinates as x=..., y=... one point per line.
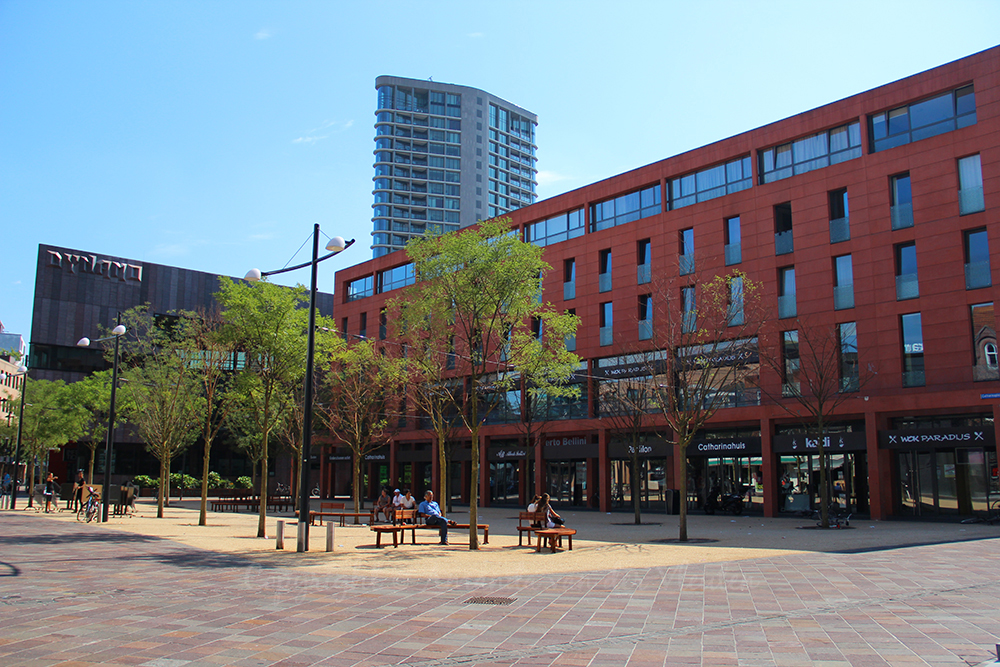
x=938, y=438
x=110, y=269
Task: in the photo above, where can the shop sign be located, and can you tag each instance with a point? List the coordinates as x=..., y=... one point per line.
x=649, y=448
x=568, y=447
x=378, y=455
x=725, y=448
x=339, y=457
x=92, y=264
x=938, y=438
x=808, y=444
x=503, y=453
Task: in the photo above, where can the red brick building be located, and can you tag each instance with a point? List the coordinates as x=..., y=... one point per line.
x=874, y=216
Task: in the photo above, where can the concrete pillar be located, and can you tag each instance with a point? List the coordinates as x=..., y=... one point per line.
x=769, y=468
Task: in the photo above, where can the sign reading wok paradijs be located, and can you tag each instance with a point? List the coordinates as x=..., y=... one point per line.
x=938, y=438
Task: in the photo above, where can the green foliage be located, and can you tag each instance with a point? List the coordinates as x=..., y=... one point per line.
x=243, y=483
x=216, y=481
x=181, y=481
x=145, y=481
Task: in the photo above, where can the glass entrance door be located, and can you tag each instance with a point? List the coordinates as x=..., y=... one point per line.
x=567, y=482
x=504, y=483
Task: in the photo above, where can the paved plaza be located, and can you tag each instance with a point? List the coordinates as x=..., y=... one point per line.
x=76, y=594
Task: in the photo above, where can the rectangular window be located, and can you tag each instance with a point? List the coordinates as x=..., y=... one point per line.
x=790, y=363
x=734, y=309
x=783, y=243
x=926, y=118
x=717, y=181
x=734, y=248
x=359, y=289
x=382, y=324
x=786, y=292
x=843, y=282
x=553, y=230
x=813, y=152
x=970, y=186
x=391, y=279
x=977, y=260
x=626, y=208
x=847, y=343
x=686, y=252
x=906, y=272
x=840, y=228
x=604, y=271
x=343, y=328
x=644, y=261
x=913, y=350
x=607, y=331
x=363, y=329
x=571, y=340
x=645, y=316
x=569, y=279
x=984, y=343
x=689, y=318
x=901, y=212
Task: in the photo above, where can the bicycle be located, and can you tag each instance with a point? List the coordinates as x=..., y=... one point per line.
x=91, y=508
x=992, y=515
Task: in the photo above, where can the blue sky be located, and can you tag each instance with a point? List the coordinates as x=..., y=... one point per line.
x=211, y=135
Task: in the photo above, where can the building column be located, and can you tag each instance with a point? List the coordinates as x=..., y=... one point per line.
x=879, y=470
x=604, y=469
x=436, y=471
x=393, y=464
x=769, y=468
x=539, y=466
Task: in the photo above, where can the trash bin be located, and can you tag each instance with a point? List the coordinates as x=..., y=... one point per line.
x=673, y=501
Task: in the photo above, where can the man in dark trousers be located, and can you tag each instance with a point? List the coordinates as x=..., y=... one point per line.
x=432, y=511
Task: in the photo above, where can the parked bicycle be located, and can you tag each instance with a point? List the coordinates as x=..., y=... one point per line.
x=723, y=502
x=90, y=509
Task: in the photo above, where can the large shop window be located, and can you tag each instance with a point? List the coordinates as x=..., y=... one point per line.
x=722, y=375
x=627, y=384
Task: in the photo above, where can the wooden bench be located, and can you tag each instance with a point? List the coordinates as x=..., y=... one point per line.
x=325, y=509
x=391, y=528
x=554, y=535
x=528, y=522
x=419, y=519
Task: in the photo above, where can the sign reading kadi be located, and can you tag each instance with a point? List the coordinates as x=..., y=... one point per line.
x=92, y=264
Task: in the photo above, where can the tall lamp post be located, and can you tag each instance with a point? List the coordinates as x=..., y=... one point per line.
x=336, y=245
x=116, y=333
x=23, y=371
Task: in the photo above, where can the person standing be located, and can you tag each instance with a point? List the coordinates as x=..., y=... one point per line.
x=78, y=485
x=432, y=511
x=50, y=492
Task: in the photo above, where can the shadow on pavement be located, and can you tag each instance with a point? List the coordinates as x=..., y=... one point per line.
x=77, y=538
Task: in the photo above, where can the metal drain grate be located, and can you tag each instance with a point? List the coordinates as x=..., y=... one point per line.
x=489, y=600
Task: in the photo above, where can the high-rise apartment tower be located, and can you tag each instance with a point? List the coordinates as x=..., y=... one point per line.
x=446, y=156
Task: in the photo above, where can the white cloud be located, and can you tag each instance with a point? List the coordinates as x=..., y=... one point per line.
x=476, y=35
x=263, y=33
x=17, y=282
x=312, y=136
x=262, y=237
x=550, y=177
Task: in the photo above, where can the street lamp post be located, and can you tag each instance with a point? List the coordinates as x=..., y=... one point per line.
x=335, y=246
x=22, y=370
x=116, y=333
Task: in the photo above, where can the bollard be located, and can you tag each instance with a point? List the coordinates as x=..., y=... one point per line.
x=281, y=536
x=329, y=536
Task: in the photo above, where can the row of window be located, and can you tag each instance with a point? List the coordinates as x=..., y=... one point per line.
x=419, y=100
x=419, y=121
x=939, y=114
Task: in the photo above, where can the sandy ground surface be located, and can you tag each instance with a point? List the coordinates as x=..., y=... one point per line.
x=604, y=541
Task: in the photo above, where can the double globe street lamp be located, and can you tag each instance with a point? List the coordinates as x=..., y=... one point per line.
x=336, y=245
x=116, y=334
x=22, y=371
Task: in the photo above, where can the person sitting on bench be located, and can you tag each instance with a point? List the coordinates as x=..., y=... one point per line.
x=432, y=511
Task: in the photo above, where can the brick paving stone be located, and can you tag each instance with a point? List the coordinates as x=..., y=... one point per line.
x=162, y=604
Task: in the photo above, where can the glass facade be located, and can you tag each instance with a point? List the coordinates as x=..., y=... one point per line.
x=717, y=181
x=813, y=152
x=423, y=152
x=553, y=230
x=921, y=120
x=627, y=208
x=391, y=279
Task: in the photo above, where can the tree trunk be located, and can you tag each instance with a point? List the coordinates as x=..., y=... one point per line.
x=474, y=492
x=262, y=509
x=90, y=467
x=682, y=527
x=164, y=487
x=31, y=483
x=203, y=514
x=443, y=496
x=356, y=472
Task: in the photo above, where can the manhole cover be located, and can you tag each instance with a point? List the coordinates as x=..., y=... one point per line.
x=489, y=600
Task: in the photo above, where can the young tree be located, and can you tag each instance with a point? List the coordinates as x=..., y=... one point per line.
x=93, y=395
x=213, y=357
x=628, y=403
x=819, y=370
x=161, y=387
x=709, y=337
x=485, y=281
x=51, y=419
x=269, y=325
x=363, y=406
